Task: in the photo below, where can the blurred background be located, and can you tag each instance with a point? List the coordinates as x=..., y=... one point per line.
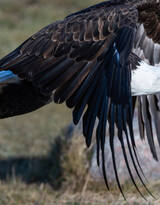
x=43, y=159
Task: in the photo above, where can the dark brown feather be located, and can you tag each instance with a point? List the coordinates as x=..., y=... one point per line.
x=85, y=60
x=149, y=17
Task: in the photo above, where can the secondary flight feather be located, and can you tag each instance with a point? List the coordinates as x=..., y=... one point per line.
x=101, y=61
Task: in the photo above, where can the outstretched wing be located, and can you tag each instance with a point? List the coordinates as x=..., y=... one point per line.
x=84, y=61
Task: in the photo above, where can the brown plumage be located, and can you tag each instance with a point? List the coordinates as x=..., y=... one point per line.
x=86, y=60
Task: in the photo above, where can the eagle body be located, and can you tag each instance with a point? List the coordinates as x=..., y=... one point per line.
x=103, y=62
x=145, y=80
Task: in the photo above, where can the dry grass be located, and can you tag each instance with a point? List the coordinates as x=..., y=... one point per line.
x=38, y=166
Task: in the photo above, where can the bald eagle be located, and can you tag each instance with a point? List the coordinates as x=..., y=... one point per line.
x=103, y=62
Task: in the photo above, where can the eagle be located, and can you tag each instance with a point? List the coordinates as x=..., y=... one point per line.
x=103, y=62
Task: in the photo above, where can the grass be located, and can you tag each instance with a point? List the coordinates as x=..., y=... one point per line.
x=38, y=165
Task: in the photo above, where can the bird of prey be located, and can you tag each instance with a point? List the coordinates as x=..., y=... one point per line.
x=103, y=62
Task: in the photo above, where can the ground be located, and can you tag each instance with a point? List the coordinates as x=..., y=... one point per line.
x=36, y=166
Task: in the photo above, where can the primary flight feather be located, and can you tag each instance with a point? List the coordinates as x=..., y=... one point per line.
x=101, y=61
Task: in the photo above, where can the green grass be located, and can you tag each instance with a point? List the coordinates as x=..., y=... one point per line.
x=38, y=166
